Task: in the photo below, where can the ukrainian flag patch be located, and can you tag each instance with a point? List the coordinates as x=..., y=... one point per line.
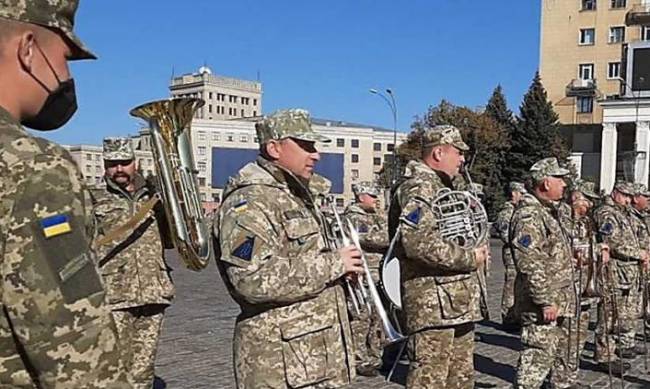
x=241, y=207
x=55, y=225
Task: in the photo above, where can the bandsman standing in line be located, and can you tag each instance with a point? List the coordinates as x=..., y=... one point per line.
x=270, y=237
x=372, y=226
x=55, y=330
x=502, y=225
x=132, y=265
x=641, y=219
x=616, y=228
x=439, y=283
x=545, y=297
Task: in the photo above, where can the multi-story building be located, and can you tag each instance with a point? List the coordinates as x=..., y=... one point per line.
x=582, y=63
x=221, y=147
x=225, y=97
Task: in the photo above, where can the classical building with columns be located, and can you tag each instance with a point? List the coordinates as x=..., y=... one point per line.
x=587, y=48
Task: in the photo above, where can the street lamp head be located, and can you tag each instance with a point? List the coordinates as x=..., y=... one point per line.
x=373, y=91
x=389, y=91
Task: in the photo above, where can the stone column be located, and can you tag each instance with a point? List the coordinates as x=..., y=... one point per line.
x=642, y=147
x=608, y=156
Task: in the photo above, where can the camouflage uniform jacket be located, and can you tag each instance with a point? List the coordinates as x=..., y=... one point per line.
x=615, y=227
x=373, y=234
x=640, y=227
x=271, y=251
x=541, y=249
x=53, y=321
x=502, y=224
x=439, y=281
x=133, y=268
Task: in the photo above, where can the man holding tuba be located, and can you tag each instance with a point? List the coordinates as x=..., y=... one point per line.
x=440, y=289
x=293, y=330
x=373, y=235
x=132, y=265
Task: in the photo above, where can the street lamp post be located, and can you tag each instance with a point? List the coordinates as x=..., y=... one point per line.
x=393, y=107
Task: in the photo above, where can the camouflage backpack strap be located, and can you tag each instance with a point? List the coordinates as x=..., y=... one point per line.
x=132, y=223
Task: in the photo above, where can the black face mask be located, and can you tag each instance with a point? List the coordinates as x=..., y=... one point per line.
x=58, y=108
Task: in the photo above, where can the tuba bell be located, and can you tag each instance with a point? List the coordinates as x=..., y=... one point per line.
x=169, y=124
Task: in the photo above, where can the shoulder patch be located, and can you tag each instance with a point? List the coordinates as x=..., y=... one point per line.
x=606, y=228
x=525, y=241
x=363, y=229
x=245, y=249
x=55, y=225
x=241, y=206
x=414, y=216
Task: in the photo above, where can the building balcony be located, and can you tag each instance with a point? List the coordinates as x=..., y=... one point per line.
x=638, y=15
x=580, y=87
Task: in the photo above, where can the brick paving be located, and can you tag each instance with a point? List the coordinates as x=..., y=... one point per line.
x=195, y=349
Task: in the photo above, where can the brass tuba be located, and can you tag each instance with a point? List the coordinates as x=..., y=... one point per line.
x=169, y=124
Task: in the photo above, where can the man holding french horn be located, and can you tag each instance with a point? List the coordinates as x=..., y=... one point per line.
x=440, y=289
x=270, y=237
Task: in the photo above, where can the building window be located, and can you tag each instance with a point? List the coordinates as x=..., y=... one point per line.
x=254, y=113
x=201, y=135
x=209, y=108
x=390, y=147
x=340, y=142
x=98, y=169
x=242, y=113
x=617, y=34
x=210, y=95
x=355, y=143
x=201, y=150
x=585, y=104
x=376, y=146
x=202, y=167
x=215, y=137
x=619, y=3
x=645, y=33
x=586, y=71
x=202, y=183
x=376, y=161
x=587, y=36
x=355, y=174
x=89, y=157
x=613, y=70
x=89, y=168
x=340, y=202
x=230, y=138
x=588, y=5
x=98, y=157
x=355, y=158
x=243, y=138
x=255, y=102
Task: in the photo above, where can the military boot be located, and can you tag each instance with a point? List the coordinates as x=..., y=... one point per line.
x=614, y=365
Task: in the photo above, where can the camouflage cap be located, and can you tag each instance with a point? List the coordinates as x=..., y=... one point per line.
x=288, y=123
x=444, y=135
x=547, y=167
x=118, y=149
x=517, y=187
x=625, y=187
x=640, y=189
x=365, y=187
x=587, y=188
x=57, y=15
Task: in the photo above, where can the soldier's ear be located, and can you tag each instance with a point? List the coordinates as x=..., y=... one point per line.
x=273, y=149
x=26, y=49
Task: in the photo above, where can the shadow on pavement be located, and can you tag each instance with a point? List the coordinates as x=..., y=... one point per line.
x=488, y=366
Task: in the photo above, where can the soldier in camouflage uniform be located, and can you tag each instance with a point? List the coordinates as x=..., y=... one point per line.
x=642, y=225
x=545, y=298
x=55, y=330
x=132, y=265
x=440, y=288
x=373, y=235
x=293, y=330
x=616, y=227
x=502, y=224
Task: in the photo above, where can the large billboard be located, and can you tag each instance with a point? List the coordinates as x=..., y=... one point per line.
x=226, y=162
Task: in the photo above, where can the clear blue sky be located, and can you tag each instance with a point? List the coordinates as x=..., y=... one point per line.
x=318, y=55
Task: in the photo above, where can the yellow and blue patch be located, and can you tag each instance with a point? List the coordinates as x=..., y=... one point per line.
x=55, y=225
x=241, y=207
x=245, y=249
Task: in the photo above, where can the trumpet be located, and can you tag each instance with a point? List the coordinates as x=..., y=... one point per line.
x=369, y=295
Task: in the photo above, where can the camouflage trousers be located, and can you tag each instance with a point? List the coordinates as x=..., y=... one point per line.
x=605, y=327
x=138, y=330
x=442, y=358
x=565, y=372
x=627, y=304
x=546, y=349
x=508, y=294
x=368, y=338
